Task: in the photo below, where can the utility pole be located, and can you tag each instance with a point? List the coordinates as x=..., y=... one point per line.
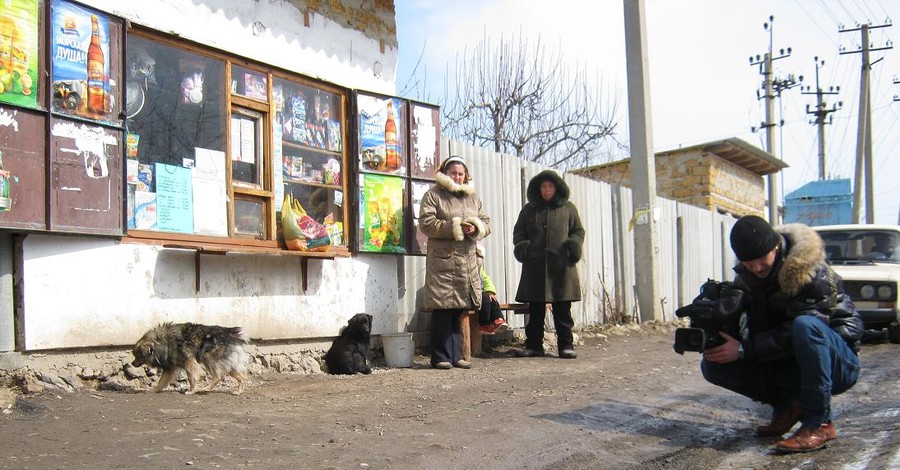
x=771, y=85
x=864, y=129
x=821, y=112
x=643, y=162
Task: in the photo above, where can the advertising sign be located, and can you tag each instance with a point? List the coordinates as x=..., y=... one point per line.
x=19, y=53
x=80, y=59
x=381, y=213
x=381, y=135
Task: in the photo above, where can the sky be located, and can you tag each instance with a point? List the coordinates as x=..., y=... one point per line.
x=702, y=85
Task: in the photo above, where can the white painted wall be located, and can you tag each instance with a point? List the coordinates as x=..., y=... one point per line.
x=272, y=32
x=85, y=291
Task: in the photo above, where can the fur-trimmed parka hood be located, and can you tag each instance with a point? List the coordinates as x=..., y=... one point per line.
x=801, y=254
x=804, y=252
x=447, y=183
x=534, y=189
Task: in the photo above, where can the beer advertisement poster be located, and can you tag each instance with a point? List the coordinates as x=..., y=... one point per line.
x=381, y=134
x=19, y=53
x=381, y=213
x=80, y=62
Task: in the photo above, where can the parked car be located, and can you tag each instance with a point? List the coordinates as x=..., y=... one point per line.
x=868, y=258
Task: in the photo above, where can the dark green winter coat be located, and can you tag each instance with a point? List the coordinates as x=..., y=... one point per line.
x=547, y=239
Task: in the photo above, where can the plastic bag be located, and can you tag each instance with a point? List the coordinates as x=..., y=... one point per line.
x=302, y=232
x=293, y=237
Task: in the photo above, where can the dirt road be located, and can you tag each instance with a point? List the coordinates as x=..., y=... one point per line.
x=627, y=402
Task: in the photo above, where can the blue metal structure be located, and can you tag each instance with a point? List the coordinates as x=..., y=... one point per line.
x=825, y=202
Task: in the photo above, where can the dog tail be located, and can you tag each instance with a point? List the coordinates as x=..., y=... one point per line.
x=226, y=338
x=237, y=335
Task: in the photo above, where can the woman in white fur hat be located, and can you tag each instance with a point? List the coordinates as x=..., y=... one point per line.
x=452, y=216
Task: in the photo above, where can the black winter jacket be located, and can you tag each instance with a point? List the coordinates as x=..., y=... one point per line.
x=800, y=284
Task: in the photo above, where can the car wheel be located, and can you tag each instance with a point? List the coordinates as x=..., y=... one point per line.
x=894, y=334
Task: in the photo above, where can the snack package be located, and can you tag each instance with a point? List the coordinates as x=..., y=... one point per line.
x=316, y=236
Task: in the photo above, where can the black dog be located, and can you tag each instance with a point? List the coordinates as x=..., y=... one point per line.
x=349, y=351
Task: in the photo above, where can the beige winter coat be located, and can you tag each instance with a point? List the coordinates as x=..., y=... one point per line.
x=452, y=268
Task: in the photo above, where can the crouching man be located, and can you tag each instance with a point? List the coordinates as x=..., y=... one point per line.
x=798, y=346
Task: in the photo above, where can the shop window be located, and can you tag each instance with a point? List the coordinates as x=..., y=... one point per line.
x=212, y=144
x=247, y=147
x=176, y=122
x=309, y=137
x=250, y=217
x=232, y=142
x=249, y=83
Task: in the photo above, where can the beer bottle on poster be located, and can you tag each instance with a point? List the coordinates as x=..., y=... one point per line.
x=391, y=151
x=96, y=78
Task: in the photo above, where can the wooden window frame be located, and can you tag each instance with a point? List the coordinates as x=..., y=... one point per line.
x=265, y=192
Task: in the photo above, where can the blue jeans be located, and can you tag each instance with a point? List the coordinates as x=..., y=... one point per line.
x=823, y=365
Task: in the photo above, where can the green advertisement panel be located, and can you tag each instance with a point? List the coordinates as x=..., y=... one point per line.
x=19, y=52
x=381, y=213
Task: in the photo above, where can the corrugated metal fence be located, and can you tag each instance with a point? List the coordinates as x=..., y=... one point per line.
x=693, y=243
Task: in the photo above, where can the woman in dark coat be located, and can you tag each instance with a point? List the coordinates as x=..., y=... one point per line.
x=452, y=216
x=547, y=238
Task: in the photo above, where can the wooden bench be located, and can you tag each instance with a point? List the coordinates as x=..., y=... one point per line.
x=470, y=336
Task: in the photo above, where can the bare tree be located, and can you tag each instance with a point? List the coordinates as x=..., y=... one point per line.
x=522, y=100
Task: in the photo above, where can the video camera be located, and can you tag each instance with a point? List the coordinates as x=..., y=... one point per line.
x=717, y=308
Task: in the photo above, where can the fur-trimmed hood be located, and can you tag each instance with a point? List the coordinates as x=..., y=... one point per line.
x=447, y=183
x=801, y=283
x=804, y=252
x=534, y=189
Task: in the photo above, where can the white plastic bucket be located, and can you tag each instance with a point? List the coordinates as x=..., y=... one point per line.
x=399, y=349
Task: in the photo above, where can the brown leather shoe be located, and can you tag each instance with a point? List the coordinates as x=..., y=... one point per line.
x=807, y=439
x=781, y=422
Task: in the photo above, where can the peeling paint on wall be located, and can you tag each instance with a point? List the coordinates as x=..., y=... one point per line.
x=8, y=119
x=90, y=143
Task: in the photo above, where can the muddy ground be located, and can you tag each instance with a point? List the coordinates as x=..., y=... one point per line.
x=627, y=402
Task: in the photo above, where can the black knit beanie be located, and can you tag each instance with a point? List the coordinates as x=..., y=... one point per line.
x=752, y=237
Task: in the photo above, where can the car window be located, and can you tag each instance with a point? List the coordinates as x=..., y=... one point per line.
x=861, y=245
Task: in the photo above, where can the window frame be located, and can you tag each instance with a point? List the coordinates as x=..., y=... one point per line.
x=267, y=191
